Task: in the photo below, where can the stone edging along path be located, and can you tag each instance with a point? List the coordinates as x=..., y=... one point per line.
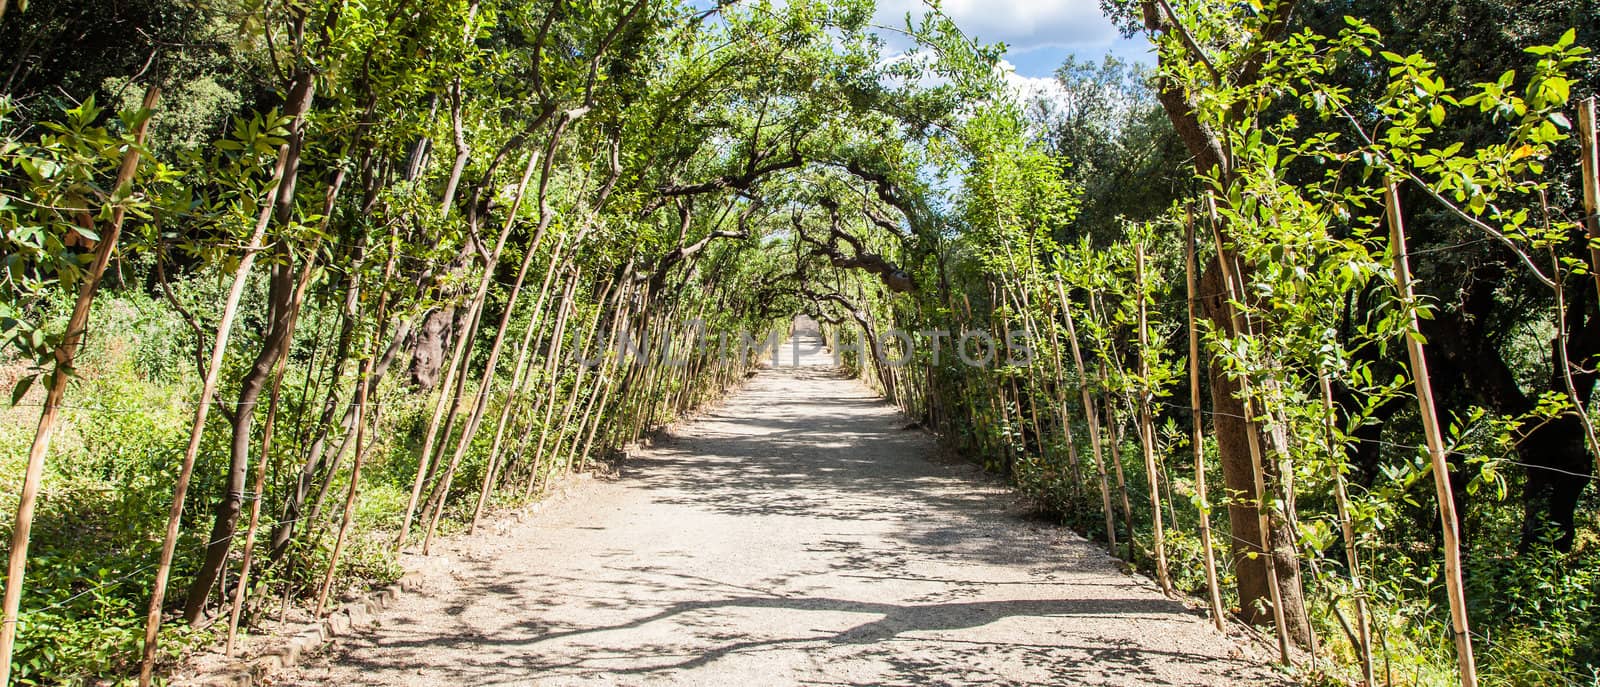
x=351, y=617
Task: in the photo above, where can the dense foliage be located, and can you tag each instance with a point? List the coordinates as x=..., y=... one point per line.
x=291, y=287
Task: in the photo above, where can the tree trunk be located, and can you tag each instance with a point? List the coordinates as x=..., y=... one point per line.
x=1233, y=436
x=288, y=159
x=280, y=308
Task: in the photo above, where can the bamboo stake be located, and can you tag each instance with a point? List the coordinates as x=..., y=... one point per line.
x=1352, y=559
x=1234, y=286
x=1589, y=150
x=362, y=392
x=1019, y=298
x=1115, y=427
x=1436, y=450
x=268, y=429
x=512, y=394
x=65, y=355
x=1092, y=417
x=1147, y=432
x=257, y=486
x=465, y=338
x=530, y=343
x=1060, y=401
x=1197, y=436
x=208, y=391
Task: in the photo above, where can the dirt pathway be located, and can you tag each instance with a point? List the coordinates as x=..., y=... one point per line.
x=794, y=535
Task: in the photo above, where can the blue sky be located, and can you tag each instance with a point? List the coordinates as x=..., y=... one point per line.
x=1039, y=34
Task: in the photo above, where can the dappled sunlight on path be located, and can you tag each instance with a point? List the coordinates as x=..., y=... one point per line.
x=794, y=535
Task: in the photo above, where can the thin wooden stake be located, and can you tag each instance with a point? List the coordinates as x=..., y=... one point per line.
x=1115, y=428
x=1352, y=559
x=1093, y=418
x=1147, y=430
x=1197, y=435
x=1436, y=450
x=1589, y=150
x=65, y=355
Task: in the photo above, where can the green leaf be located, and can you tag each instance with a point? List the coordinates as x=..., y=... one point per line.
x=22, y=388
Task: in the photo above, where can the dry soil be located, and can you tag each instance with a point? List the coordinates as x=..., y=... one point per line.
x=796, y=534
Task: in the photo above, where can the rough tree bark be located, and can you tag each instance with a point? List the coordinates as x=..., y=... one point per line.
x=1234, y=432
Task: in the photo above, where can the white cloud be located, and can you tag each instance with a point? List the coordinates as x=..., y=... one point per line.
x=1021, y=24
x=1027, y=88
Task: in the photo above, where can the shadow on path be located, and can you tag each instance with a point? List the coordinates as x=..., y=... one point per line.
x=794, y=535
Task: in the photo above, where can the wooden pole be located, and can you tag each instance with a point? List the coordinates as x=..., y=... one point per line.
x=1089, y=413
x=1342, y=502
x=1436, y=450
x=1147, y=430
x=1197, y=435
x=1234, y=286
x=1115, y=428
x=1065, y=423
x=1589, y=150
x=56, y=389
x=364, y=386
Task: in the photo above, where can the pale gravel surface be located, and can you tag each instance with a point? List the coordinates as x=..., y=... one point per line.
x=794, y=535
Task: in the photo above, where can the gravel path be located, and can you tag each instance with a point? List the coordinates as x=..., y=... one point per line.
x=794, y=535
